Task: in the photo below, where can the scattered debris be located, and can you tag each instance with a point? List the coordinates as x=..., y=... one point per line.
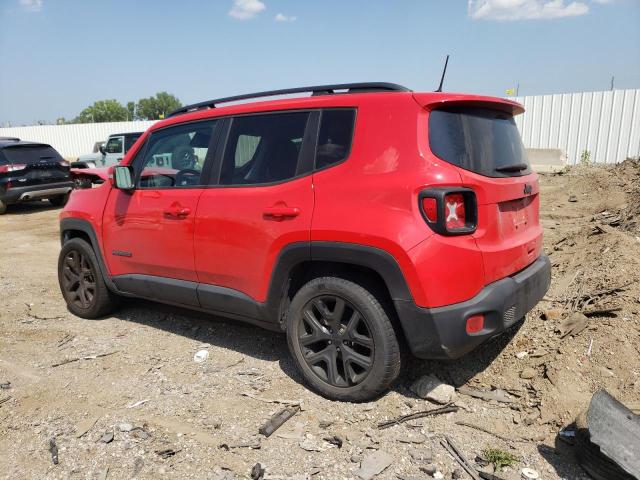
x=5, y=386
x=552, y=314
x=522, y=355
x=252, y=443
x=572, y=198
x=457, y=474
x=167, y=452
x=277, y=420
x=53, y=450
x=200, y=356
x=138, y=403
x=433, y=389
x=125, y=427
x=529, y=474
x=65, y=339
x=528, y=373
x=334, y=440
x=608, y=439
x=88, y=357
x=374, y=463
x=272, y=400
x=85, y=426
x=5, y=400
x=498, y=395
x=455, y=452
x=573, y=324
x=490, y=432
x=140, y=433
x=257, y=472
x=311, y=444
x=414, y=416
x=107, y=437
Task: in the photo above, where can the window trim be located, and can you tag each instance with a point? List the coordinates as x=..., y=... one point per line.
x=306, y=158
x=209, y=158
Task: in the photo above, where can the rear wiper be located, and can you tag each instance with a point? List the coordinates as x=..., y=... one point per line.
x=514, y=167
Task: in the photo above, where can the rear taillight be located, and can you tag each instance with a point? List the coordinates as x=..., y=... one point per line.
x=12, y=168
x=449, y=210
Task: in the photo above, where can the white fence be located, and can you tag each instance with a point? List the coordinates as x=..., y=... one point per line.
x=603, y=126
x=76, y=139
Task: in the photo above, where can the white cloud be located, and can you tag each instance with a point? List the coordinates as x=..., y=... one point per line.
x=246, y=9
x=603, y=2
x=31, y=5
x=525, y=9
x=285, y=18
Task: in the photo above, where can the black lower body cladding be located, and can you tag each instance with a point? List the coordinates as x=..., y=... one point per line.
x=440, y=333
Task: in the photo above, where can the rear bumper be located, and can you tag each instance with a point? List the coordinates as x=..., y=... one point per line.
x=440, y=333
x=35, y=192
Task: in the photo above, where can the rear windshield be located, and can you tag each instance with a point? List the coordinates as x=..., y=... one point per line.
x=27, y=154
x=481, y=140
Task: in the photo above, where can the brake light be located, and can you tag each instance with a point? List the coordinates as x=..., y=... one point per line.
x=430, y=208
x=454, y=211
x=449, y=210
x=475, y=324
x=12, y=168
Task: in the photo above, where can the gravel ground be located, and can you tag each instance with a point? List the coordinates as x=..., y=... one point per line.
x=122, y=397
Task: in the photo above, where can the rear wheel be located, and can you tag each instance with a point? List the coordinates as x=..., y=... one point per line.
x=3, y=208
x=81, y=281
x=59, y=200
x=342, y=340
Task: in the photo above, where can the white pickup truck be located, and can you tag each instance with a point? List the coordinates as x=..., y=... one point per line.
x=111, y=153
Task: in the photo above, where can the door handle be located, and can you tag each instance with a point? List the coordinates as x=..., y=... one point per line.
x=177, y=211
x=281, y=211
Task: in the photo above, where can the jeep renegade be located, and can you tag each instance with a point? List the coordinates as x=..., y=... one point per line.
x=357, y=220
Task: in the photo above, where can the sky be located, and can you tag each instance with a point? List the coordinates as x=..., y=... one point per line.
x=59, y=56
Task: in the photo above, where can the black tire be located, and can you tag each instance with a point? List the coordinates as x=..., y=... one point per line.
x=3, y=208
x=59, y=200
x=354, y=361
x=81, y=281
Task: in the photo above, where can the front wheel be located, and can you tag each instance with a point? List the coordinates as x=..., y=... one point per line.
x=342, y=340
x=81, y=281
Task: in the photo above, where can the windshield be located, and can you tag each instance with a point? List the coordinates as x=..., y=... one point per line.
x=481, y=140
x=28, y=154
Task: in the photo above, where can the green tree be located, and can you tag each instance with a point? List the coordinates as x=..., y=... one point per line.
x=155, y=108
x=103, y=111
x=131, y=107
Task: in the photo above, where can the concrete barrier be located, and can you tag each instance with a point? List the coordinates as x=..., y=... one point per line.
x=545, y=160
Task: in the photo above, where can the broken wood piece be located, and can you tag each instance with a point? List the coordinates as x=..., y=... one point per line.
x=88, y=357
x=450, y=447
x=53, y=450
x=276, y=421
x=272, y=400
x=414, y=416
x=490, y=432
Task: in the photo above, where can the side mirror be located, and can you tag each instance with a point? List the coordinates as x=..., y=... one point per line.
x=122, y=177
x=102, y=150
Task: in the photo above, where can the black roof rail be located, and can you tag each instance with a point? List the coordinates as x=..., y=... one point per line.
x=316, y=90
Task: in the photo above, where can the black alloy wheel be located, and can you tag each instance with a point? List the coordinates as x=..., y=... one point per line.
x=78, y=280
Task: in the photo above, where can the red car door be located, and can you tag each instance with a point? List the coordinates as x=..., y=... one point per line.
x=148, y=232
x=262, y=203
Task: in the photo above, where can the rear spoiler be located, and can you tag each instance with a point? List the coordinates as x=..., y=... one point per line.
x=435, y=100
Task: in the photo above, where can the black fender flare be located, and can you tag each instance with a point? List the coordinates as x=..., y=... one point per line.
x=68, y=225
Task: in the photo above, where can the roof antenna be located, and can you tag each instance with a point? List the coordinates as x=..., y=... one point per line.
x=444, y=71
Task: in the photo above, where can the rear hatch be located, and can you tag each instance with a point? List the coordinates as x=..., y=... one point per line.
x=31, y=164
x=481, y=139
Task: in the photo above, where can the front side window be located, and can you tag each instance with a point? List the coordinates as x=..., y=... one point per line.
x=263, y=148
x=175, y=156
x=114, y=145
x=334, y=140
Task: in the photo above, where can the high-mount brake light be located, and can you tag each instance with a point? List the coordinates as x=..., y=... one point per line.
x=12, y=168
x=449, y=210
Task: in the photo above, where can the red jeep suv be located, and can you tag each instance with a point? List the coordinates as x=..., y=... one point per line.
x=358, y=219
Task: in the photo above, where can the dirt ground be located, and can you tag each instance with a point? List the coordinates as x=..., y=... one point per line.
x=132, y=376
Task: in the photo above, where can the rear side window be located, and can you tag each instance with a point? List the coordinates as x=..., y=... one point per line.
x=334, y=140
x=27, y=154
x=263, y=148
x=481, y=140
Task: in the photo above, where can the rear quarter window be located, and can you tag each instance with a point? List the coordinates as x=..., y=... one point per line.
x=335, y=137
x=27, y=154
x=482, y=140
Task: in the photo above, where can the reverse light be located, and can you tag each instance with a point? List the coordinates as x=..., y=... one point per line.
x=475, y=324
x=12, y=168
x=449, y=210
x=454, y=211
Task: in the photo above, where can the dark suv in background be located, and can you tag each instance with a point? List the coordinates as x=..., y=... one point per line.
x=32, y=171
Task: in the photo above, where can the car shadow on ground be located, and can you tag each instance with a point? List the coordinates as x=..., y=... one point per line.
x=32, y=207
x=266, y=345
x=562, y=458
